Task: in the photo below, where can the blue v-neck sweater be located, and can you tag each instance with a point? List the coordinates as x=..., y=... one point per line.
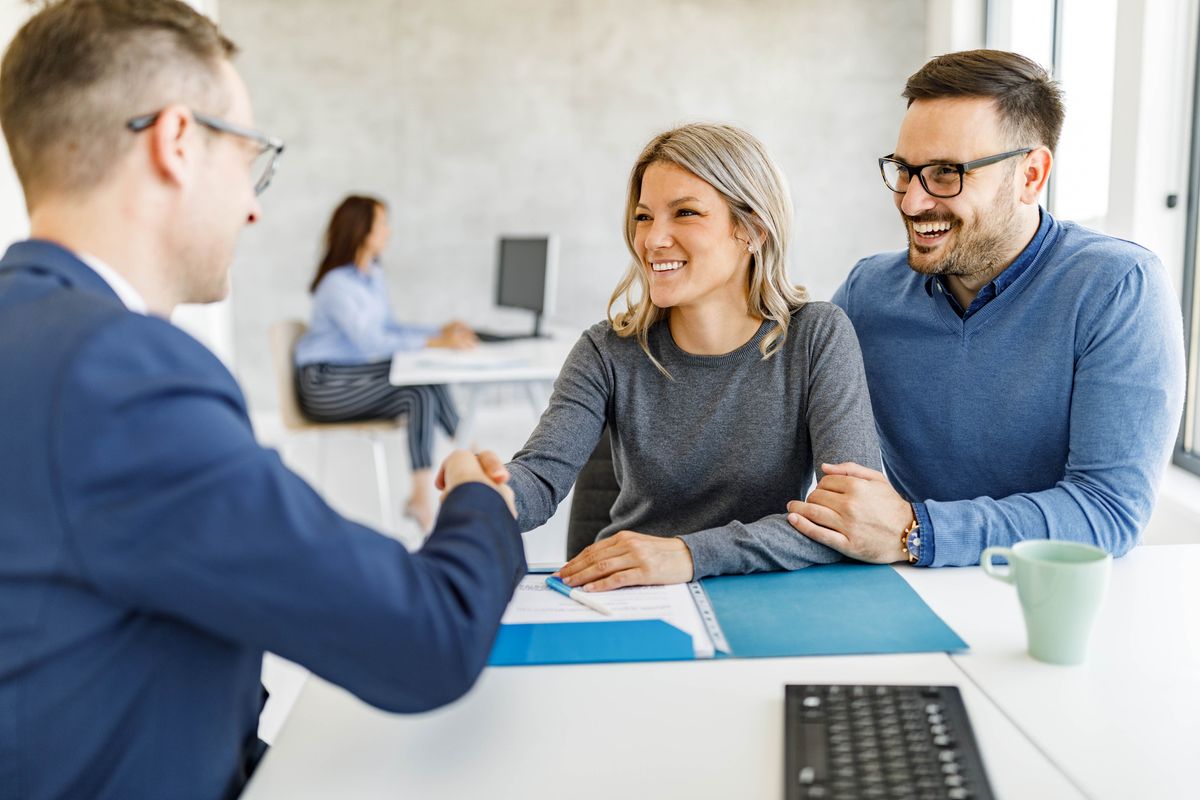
x=1050, y=412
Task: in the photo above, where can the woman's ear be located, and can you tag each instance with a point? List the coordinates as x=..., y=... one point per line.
x=752, y=234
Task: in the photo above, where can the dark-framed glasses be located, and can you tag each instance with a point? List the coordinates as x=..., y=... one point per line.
x=269, y=147
x=938, y=179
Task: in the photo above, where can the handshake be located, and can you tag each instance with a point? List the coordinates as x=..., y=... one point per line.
x=462, y=467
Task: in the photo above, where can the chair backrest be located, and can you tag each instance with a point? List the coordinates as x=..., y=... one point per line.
x=284, y=335
x=596, y=490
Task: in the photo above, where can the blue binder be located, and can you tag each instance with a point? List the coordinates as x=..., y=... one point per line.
x=839, y=609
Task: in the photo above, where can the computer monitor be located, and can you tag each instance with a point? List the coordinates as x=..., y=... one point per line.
x=525, y=275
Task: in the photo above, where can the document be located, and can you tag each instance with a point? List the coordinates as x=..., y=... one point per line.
x=536, y=603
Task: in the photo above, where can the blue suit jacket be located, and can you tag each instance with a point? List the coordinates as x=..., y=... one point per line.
x=151, y=550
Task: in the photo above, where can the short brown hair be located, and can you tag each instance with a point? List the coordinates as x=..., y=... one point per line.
x=78, y=70
x=1029, y=101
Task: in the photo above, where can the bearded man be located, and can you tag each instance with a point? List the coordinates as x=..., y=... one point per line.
x=1026, y=373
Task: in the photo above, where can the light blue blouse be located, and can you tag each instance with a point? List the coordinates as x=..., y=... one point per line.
x=352, y=322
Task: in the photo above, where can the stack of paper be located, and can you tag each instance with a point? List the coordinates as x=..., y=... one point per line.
x=535, y=603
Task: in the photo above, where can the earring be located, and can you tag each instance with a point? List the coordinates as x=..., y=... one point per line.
x=750, y=248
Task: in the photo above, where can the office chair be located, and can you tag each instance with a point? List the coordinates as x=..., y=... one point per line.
x=596, y=490
x=284, y=335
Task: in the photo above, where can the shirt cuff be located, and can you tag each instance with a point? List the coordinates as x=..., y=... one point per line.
x=927, y=543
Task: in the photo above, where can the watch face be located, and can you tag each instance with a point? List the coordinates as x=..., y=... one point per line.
x=914, y=546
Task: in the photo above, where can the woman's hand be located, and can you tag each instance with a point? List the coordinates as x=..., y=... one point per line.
x=456, y=336
x=629, y=558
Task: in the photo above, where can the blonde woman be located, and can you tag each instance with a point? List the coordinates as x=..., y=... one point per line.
x=723, y=387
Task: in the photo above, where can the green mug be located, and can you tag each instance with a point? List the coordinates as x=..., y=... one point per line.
x=1060, y=586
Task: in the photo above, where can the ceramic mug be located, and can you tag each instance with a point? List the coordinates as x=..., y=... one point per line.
x=1060, y=586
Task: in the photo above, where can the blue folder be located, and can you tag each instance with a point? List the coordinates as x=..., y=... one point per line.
x=838, y=609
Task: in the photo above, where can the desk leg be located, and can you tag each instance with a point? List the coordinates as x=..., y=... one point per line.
x=539, y=396
x=387, y=512
x=466, y=423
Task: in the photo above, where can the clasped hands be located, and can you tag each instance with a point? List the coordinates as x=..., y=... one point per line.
x=462, y=467
x=855, y=511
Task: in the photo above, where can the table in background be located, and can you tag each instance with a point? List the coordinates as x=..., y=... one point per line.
x=533, y=363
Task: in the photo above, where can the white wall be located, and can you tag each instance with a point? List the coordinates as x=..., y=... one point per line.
x=211, y=324
x=14, y=222
x=479, y=117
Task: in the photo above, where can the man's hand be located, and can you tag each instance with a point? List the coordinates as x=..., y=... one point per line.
x=855, y=511
x=487, y=468
x=629, y=558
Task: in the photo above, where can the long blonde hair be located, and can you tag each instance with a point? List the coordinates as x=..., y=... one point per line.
x=737, y=165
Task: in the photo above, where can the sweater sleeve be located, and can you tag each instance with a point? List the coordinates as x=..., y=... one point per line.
x=1125, y=411
x=544, y=470
x=840, y=427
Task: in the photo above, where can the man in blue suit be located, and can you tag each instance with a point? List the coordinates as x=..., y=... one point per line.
x=150, y=550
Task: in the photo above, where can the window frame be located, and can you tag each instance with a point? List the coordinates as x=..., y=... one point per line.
x=1182, y=456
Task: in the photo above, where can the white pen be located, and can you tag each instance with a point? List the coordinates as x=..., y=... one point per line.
x=578, y=595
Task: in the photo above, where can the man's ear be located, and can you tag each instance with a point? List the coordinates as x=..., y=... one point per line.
x=173, y=144
x=1035, y=171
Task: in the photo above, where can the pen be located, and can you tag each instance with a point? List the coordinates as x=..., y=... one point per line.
x=578, y=595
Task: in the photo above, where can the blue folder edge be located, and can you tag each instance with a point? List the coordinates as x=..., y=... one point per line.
x=837, y=609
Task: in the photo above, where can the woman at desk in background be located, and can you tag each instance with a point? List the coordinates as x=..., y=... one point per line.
x=721, y=384
x=344, y=359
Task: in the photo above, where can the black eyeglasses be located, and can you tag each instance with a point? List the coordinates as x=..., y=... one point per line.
x=270, y=148
x=939, y=180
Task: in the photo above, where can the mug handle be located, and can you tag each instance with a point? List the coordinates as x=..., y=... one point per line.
x=985, y=561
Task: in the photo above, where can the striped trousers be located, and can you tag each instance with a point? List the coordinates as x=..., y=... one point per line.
x=356, y=392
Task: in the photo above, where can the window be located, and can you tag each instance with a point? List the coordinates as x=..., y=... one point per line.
x=1187, y=454
x=1076, y=41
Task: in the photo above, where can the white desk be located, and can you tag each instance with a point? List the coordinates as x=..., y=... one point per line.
x=491, y=362
x=1125, y=725
x=532, y=362
x=709, y=729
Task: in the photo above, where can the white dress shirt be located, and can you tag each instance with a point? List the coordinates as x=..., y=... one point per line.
x=128, y=295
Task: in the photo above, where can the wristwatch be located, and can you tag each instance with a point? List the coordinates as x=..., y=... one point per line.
x=910, y=540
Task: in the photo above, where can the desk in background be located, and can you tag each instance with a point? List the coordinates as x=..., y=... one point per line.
x=534, y=363
x=1124, y=725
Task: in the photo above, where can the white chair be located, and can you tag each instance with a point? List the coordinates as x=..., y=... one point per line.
x=284, y=335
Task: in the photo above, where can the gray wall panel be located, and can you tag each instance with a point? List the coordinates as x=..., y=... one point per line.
x=477, y=117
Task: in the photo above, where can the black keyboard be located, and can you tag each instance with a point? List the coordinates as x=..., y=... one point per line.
x=866, y=742
x=488, y=336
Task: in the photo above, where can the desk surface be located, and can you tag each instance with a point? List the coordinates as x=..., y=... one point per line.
x=715, y=728
x=1125, y=724
x=706, y=729
x=491, y=362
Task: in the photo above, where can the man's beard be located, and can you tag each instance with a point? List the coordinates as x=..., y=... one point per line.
x=977, y=250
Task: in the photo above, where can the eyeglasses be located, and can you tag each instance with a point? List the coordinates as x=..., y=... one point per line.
x=938, y=180
x=270, y=148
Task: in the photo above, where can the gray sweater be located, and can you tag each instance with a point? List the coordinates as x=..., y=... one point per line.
x=714, y=453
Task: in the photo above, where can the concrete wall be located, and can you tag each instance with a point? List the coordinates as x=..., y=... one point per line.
x=478, y=117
